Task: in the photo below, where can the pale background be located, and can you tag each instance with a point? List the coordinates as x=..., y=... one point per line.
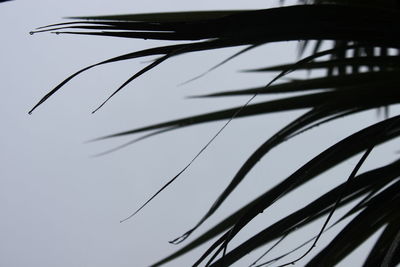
x=61, y=207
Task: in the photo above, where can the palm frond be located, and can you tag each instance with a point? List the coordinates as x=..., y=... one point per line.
x=337, y=153
x=370, y=181
x=357, y=24
x=361, y=73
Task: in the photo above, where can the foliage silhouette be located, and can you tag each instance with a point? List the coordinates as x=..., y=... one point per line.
x=362, y=73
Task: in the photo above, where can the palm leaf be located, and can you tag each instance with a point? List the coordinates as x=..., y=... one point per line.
x=344, y=149
x=363, y=25
x=361, y=185
x=361, y=75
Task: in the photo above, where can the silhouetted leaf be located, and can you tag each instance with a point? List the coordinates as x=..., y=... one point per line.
x=362, y=73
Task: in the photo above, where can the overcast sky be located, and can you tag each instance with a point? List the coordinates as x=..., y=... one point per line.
x=61, y=207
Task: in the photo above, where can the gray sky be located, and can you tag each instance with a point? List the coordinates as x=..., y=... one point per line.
x=62, y=207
